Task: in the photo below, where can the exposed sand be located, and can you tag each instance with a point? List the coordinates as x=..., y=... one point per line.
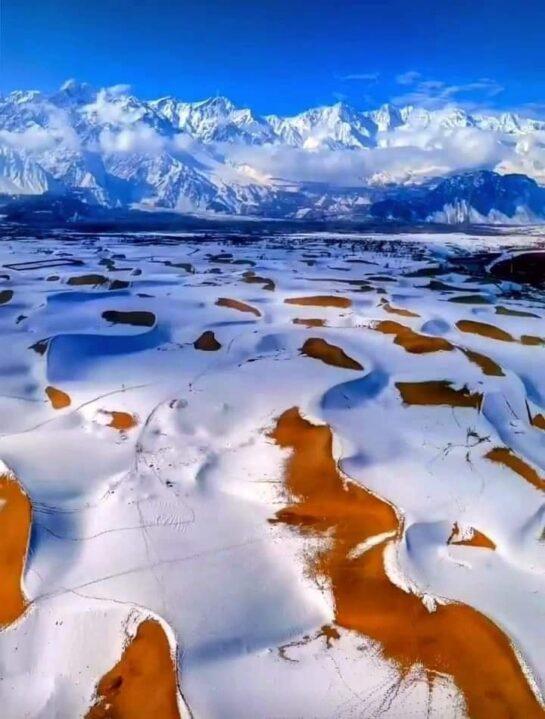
x=237, y=305
x=454, y=639
x=243, y=509
x=437, y=393
x=15, y=520
x=413, y=341
x=320, y=301
x=58, y=398
x=142, y=685
x=319, y=349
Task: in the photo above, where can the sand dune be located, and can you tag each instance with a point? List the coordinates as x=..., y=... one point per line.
x=216, y=504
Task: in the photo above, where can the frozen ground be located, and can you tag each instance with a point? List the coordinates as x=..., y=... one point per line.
x=153, y=471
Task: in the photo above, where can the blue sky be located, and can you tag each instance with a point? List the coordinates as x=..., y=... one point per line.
x=283, y=55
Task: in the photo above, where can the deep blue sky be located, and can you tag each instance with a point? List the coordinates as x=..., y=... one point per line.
x=281, y=55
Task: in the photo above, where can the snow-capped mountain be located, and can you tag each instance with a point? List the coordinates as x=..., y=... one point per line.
x=474, y=197
x=20, y=175
x=335, y=127
x=215, y=120
x=111, y=148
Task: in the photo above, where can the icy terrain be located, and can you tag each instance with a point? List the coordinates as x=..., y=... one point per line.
x=315, y=464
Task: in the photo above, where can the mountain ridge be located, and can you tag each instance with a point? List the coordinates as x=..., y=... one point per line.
x=113, y=149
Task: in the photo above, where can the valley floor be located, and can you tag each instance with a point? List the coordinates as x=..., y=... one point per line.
x=298, y=476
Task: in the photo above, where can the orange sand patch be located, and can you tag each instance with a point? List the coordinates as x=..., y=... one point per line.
x=207, y=342
x=488, y=366
x=503, y=455
x=387, y=307
x=454, y=640
x=237, y=305
x=15, y=519
x=437, y=392
x=121, y=421
x=514, y=313
x=477, y=539
x=412, y=341
x=142, y=685
x=538, y=421
x=251, y=278
x=484, y=330
x=320, y=301
x=319, y=349
x=310, y=322
x=532, y=341
x=58, y=398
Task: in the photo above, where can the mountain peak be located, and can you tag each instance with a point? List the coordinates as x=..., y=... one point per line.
x=166, y=99
x=74, y=91
x=344, y=110
x=21, y=96
x=387, y=117
x=218, y=103
x=388, y=107
x=73, y=87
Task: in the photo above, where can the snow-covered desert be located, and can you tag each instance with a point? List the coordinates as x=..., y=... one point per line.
x=274, y=477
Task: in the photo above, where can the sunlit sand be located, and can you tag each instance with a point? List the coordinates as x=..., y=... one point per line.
x=272, y=476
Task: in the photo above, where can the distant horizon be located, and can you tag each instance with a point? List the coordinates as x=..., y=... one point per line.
x=529, y=110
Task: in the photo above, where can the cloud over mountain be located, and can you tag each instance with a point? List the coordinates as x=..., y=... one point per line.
x=113, y=148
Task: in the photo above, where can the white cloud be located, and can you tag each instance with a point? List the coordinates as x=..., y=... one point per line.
x=139, y=139
x=113, y=107
x=361, y=77
x=422, y=152
x=32, y=139
x=528, y=157
x=408, y=78
x=433, y=94
x=534, y=110
x=116, y=90
x=35, y=138
x=142, y=139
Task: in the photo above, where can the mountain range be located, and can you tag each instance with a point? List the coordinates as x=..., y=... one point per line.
x=107, y=147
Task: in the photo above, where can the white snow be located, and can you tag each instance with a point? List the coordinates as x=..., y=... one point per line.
x=170, y=519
